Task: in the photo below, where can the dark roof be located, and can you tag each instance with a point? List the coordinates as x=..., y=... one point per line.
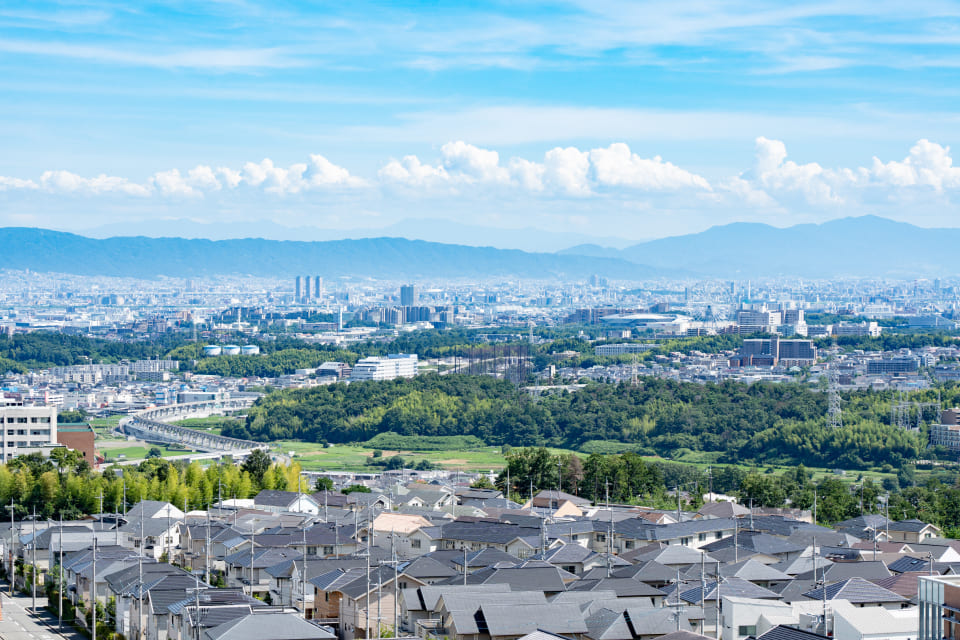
x=683, y=635
x=755, y=541
x=728, y=587
x=913, y=525
x=781, y=632
x=624, y=587
x=274, y=498
x=856, y=590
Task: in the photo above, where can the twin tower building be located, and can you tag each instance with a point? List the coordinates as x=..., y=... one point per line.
x=304, y=292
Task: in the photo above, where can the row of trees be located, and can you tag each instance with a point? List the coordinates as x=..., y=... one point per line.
x=65, y=485
x=762, y=423
x=628, y=478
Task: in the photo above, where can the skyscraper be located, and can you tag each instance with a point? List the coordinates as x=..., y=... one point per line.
x=317, y=287
x=408, y=295
x=298, y=290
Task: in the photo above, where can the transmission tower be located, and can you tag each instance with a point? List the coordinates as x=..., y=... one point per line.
x=834, y=412
x=901, y=410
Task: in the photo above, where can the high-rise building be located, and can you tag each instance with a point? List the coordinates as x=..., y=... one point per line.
x=306, y=288
x=298, y=289
x=317, y=287
x=408, y=295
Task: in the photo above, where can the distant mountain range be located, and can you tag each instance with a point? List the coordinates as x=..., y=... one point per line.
x=429, y=229
x=388, y=258
x=864, y=246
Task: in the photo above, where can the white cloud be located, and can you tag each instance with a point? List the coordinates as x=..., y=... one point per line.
x=775, y=173
x=929, y=164
x=616, y=166
x=473, y=163
x=16, y=183
x=65, y=181
x=322, y=173
x=567, y=171
x=409, y=171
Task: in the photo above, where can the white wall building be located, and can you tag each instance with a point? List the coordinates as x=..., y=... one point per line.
x=26, y=429
x=395, y=365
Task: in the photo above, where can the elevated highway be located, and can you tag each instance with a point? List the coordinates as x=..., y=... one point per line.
x=152, y=425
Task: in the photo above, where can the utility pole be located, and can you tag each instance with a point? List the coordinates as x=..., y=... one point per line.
x=93, y=592
x=13, y=549
x=303, y=576
x=717, y=597
x=60, y=578
x=33, y=554
x=206, y=548
x=396, y=585
x=140, y=577
x=253, y=535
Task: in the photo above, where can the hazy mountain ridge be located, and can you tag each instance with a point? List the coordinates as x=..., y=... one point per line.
x=54, y=251
x=863, y=246
x=428, y=229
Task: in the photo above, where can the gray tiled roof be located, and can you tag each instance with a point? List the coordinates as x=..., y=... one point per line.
x=856, y=590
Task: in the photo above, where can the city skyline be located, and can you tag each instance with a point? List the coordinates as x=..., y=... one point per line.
x=591, y=119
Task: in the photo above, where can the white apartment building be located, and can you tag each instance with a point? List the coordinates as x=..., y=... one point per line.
x=26, y=429
x=622, y=348
x=395, y=365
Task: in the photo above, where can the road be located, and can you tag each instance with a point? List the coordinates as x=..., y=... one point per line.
x=19, y=624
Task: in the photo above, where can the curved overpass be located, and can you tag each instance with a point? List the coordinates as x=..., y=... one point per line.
x=151, y=425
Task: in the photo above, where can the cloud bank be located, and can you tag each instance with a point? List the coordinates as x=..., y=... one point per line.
x=774, y=181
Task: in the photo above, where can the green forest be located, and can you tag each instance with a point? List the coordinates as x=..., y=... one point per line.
x=760, y=423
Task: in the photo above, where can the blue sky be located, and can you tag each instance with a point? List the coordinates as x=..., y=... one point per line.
x=625, y=119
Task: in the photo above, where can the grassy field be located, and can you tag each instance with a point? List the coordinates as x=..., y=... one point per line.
x=313, y=457
x=212, y=424
x=104, y=427
x=136, y=452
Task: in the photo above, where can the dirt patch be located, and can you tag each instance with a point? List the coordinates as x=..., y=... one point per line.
x=386, y=453
x=313, y=453
x=453, y=461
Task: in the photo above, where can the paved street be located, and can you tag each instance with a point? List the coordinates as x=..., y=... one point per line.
x=19, y=624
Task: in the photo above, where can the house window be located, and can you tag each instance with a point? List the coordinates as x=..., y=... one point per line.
x=574, y=537
x=702, y=537
x=685, y=541
x=747, y=630
x=718, y=535
x=415, y=543
x=601, y=537
x=628, y=544
x=327, y=551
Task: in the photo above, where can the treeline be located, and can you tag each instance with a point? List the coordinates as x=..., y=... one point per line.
x=762, y=423
x=40, y=350
x=65, y=484
x=629, y=479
